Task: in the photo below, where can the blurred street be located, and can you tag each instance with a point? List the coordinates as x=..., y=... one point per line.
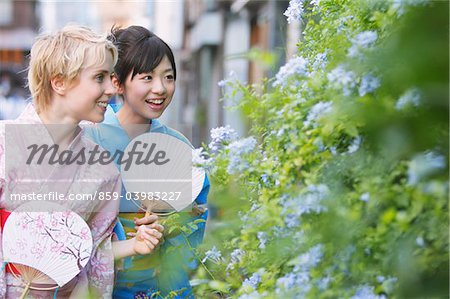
x=211, y=39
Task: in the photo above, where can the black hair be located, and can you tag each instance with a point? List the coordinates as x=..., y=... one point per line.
x=140, y=51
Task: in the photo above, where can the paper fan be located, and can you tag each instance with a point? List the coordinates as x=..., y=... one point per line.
x=158, y=169
x=47, y=248
x=163, y=207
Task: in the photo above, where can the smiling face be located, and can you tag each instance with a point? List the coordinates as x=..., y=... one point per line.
x=148, y=94
x=87, y=96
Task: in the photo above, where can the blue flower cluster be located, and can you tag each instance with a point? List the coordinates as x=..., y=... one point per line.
x=294, y=11
x=199, y=160
x=411, y=97
x=221, y=136
x=213, y=255
x=317, y=111
x=236, y=150
x=298, y=283
x=368, y=84
x=341, y=78
x=253, y=281
x=367, y=292
x=297, y=65
x=362, y=41
x=423, y=165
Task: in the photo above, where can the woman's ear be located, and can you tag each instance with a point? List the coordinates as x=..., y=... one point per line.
x=59, y=85
x=116, y=84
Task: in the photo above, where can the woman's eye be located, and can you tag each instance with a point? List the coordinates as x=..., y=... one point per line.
x=99, y=78
x=170, y=77
x=147, y=78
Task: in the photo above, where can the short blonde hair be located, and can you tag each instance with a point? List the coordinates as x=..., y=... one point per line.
x=64, y=54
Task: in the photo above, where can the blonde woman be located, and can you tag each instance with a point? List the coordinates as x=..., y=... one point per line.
x=70, y=81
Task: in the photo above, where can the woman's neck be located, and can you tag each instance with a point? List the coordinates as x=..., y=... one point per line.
x=61, y=128
x=131, y=122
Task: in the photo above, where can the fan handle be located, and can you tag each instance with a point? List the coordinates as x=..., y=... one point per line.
x=25, y=292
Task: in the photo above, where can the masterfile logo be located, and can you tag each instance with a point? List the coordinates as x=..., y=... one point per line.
x=156, y=168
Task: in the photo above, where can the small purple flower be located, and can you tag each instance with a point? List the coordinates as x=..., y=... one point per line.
x=320, y=60
x=291, y=221
x=410, y=98
x=224, y=82
x=287, y=281
x=316, y=112
x=236, y=256
x=367, y=292
x=213, y=255
x=221, y=136
x=323, y=283
x=361, y=41
x=262, y=237
x=309, y=259
x=253, y=281
x=341, y=78
x=365, y=197
x=141, y=295
x=354, y=146
x=295, y=66
x=294, y=11
x=198, y=158
x=368, y=85
x=420, y=242
x=423, y=165
x=236, y=150
x=252, y=295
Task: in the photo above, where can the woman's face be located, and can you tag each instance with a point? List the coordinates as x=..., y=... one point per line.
x=149, y=94
x=87, y=97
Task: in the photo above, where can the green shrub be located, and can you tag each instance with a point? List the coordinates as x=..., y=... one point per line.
x=342, y=192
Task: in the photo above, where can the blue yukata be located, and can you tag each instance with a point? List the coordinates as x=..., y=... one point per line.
x=166, y=269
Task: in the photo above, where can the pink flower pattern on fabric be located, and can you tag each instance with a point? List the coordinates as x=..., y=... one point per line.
x=98, y=275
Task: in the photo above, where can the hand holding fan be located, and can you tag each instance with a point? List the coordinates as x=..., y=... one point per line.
x=163, y=208
x=48, y=248
x=165, y=181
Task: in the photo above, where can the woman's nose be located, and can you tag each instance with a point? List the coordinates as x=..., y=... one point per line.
x=158, y=86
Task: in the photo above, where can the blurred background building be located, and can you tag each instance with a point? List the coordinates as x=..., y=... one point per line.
x=210, y=39
x=18, y=26
x=217, y=37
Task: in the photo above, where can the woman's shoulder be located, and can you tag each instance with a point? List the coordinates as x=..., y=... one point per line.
x=158, y=127
x=106, y=135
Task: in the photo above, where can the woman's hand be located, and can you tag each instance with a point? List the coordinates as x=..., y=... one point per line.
x=152, y=218
x=147, y=238
x=149, y=234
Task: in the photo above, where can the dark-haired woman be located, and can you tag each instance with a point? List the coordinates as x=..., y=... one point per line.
x=144, y=77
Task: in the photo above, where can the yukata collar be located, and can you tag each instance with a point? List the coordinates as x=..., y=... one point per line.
x=111, y=119
x=30, y=116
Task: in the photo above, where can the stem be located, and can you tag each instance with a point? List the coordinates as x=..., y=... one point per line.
x=196, y=256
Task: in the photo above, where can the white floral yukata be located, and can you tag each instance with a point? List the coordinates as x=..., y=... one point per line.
x=100, y=215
